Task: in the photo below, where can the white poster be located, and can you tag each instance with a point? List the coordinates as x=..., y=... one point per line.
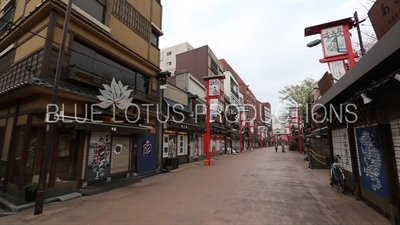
x=337, y=69
x=333, y=41
x=213, y=89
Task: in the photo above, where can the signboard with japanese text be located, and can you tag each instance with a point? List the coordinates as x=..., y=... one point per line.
x=214, y=88
x=333, y=41
x=384, y=14
x=337, y=69
x=293, y=113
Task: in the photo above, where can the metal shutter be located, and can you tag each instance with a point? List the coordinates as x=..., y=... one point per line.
x=395, y=126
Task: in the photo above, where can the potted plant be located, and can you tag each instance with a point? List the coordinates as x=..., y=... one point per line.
x=30, y=191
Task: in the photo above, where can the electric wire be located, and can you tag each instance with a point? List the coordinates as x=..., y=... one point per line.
x=69, y=48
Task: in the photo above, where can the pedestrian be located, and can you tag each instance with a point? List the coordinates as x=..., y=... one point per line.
x=276, y=147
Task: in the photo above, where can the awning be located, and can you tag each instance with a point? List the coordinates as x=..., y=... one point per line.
x=78, y=123
x=380, y=60
x=177, y=105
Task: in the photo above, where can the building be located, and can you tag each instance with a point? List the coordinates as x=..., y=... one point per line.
x=231, y=88
x=266, y=116
x=182, y=132
x=367, y=136
x=237, y=82
x=168, y=56
x=188, y=82
x=201, y=62
x=104, y=41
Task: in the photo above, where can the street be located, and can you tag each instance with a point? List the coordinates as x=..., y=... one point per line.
x=255, y=187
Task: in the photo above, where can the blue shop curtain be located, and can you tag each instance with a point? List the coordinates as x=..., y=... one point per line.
x=146, y=153
x=372, y=169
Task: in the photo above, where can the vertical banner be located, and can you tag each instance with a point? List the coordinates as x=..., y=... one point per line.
x=99, y=156
x=214, y=88
x=146, y=153
x=371, y=161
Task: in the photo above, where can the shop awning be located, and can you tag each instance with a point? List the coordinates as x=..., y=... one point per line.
x=177, y=105
x=93, y=125
x=380, y=60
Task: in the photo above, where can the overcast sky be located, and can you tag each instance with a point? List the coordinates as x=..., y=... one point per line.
x=262, y=40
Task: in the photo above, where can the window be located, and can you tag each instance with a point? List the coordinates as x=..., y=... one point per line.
x=64, y=145
x=154, y=38
x=88, y=60
x=8, y=16
x=169, y=53
x=142, y=83
x=169, y=63
x=95, y=8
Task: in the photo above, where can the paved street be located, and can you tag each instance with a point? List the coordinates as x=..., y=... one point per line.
x=256, y=187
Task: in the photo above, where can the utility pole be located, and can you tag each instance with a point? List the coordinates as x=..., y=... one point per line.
x=162, y=84
x=359, y=32
x=50, y=127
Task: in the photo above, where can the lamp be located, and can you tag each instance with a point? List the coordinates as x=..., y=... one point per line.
x=365, y=99
x=397, y=76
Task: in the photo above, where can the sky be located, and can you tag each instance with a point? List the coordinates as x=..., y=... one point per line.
x=262, y=40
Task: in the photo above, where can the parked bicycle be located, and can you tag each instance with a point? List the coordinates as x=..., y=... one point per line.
x=337, y=175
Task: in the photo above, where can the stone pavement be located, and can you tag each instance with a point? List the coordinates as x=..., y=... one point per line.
x=256, y=187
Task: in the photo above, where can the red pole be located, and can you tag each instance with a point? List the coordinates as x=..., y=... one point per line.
x=298, y=130
x=349, y=48
x=206, y=139
x=240, y=132
x=249, y=141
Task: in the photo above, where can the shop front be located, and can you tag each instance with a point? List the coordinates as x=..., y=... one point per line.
x=234, y=140
x=182, y=141
x=367, y=141
x=218, y=140
x=85, y=150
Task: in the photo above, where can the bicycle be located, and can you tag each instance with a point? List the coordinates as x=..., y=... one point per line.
x=337, y=175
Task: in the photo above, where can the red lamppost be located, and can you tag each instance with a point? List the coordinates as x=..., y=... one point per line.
x=213, y=87
x=240, y=132
x=299, y=131
x=241, y=127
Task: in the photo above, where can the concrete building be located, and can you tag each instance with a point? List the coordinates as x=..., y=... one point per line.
x=188, y=82
x=201, y=62
x=266, y=116
x=242, y=96
x=182, y=135
x=117, y=39
x=168, y=56
x=231, y=88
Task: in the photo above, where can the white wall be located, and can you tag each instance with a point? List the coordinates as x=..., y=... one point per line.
x=173, y=50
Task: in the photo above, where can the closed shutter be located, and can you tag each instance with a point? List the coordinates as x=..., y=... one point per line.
x=340, y=140
x=121, y=153
x=371, y=167
x=395, y=126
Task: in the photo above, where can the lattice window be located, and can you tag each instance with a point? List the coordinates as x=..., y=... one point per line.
x=341, y=147
x=132, y=18
x=395, y=127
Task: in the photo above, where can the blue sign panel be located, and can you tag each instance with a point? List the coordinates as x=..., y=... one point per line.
x=371, y=161
x=146, y=153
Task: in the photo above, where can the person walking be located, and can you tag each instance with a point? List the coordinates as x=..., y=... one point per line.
x=276, y=147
